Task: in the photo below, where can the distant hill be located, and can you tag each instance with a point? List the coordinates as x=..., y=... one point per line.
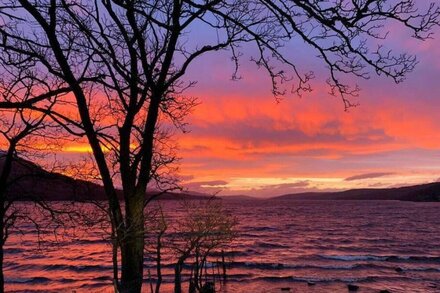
x=28, y=181
x=238, y=197
x=423, y=192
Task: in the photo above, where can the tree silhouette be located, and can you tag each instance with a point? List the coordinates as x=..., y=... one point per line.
x=126, y=63
x=20, y=129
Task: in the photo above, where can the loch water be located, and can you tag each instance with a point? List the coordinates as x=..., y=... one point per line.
x=281, y=246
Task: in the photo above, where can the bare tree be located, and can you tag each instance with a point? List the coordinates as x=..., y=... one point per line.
x=204, y=229
x=126, y=64
x=21, y=130
x=193, y=235
x=158, y=226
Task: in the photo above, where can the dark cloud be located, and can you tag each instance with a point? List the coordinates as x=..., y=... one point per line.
x=254, y=132
x=270, y=192
x=283, y=188
x=196, y=148
x=368, y=176
x=211, y=183
x=186, y=177
x=206, y=186
x=299, y=184
x=378, y=184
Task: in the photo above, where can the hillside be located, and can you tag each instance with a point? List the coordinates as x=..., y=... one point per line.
x=29, y=181
x=423, y=192
x=238, y=197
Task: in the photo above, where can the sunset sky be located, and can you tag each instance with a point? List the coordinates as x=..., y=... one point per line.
x=243, y=142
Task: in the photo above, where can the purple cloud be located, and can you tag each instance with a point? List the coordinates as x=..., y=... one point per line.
x=368, y=176
x=206, y=186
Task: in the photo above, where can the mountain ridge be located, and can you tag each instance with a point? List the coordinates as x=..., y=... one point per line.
x=32, y=182
x=37, y=183
x=421, y=192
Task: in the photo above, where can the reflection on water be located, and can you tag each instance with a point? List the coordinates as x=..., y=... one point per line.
x=306, y=246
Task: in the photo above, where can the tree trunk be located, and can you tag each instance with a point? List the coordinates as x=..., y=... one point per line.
x=132, y=246
x=115, y=261
x=3, y=233
x=159, y=263
x=178, y=277
x=2, y=279
x=4, y=175
x=196, y=271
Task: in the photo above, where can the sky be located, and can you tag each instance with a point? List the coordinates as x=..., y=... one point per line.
x=242, y=141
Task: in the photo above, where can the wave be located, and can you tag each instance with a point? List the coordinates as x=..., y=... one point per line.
x=34, y=280
x=92, y=241
x=315, y=280
x=420, y=269
x=260, y=228
x=435, y=259
x=79, y=268
x=270, y=245
x=343, y=267
x=353, y=257
x=102, y=278
x=238, y=252
x=367, y=279
x=381, y=258
x=14, y=250
x=281, y=266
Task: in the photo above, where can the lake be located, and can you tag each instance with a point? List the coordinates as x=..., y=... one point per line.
x=301, y=246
